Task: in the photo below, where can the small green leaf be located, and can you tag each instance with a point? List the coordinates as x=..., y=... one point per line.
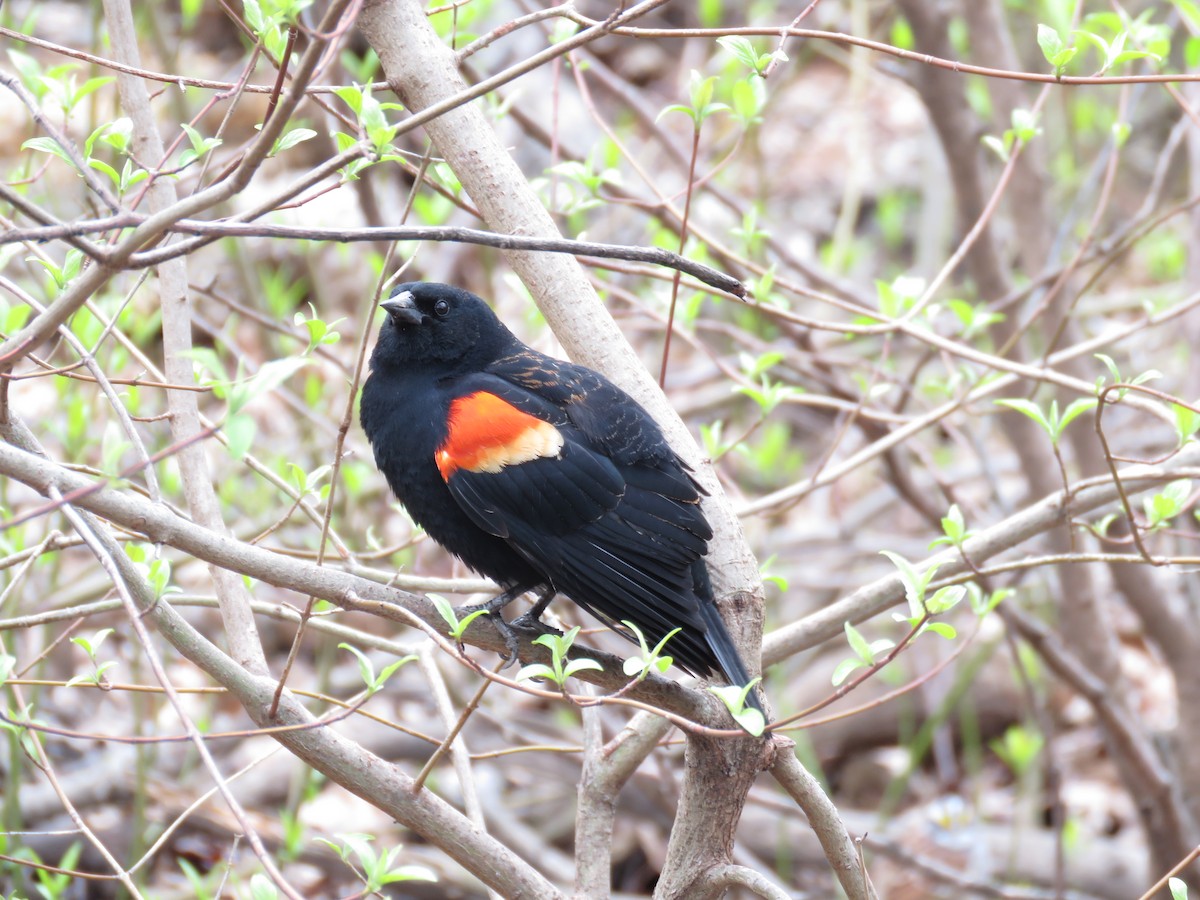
x=945, y=629
x=1024, y=124
x=997, y=146
x=742, y=49
x=290, y=139
x=1028, y=408
x=914, y=584
x=254, y=16
x=1050, y=42
x=113, y=175
x=1168, y=503
x=982, y=605
x=458, y=627
x=858, y=643
x=239, y=434
x=390, y=669
x=944, y=599
x=1074, y=410
x=537, y=670
x=48, y=145
x=1187, y=421
x=734, y=698
x=352, y=97
x=953, y=525
x=843, y=669
x=366, y=668
x=262, y=888
x=1018, y=748
x=581, y=665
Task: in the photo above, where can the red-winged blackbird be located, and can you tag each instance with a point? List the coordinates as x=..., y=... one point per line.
x=540, y=474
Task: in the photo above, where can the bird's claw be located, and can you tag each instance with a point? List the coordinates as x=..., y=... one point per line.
x=527, y=621
x=511, y=642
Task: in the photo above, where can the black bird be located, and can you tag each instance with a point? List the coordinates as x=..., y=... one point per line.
x=542, y=475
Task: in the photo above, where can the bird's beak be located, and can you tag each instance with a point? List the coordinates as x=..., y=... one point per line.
x=403, y=309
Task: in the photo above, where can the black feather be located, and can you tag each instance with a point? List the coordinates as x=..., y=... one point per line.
x=606, y=513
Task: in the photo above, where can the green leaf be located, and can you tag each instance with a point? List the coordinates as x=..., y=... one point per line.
x=201, y=145
x=843, y=669
x=751, y=720
x=734, y=698
x=633, y=666
x=458, y=627
x=254, y=16
x=262, y=888
x=389, y=670
x=1075, y=409
x=90, y=86
x=1024, y=124
x=1028, y=408
x=1168, y=503
x=29, y=70
x=353, y=98
x=997, y=146
x=1187, y=422
x=239, y=435
x=676, y=107
x=858, y=643
x=914, y=584
x=366, y=668
x=982, y=605
x=291, y=139
x=648, y=658
x=742, y=49
x=954, y=525
x=1018, y=748
x=749, y=97
x=537, y=670
x=1050, y=42
x=409, y=873
x=701, y=90
x=113, y=175
x=581, y=665
x=946, y=598
x=48, y=145
x=444, y=608
x=270, y=376
x=1179, y=888
x=459, y=630
x=945, y=629
x=1110, y=365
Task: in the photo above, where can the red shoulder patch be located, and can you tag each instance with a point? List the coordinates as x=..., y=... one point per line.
x=488, y=433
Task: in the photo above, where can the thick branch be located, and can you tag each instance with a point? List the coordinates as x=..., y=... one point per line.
x=352, y=592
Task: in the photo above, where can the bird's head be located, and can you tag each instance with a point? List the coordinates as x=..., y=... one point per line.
x=437, y=324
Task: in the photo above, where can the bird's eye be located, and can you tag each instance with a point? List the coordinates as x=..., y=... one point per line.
x=441, y=308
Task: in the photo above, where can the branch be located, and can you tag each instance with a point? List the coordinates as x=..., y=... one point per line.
x=351, y=592
x=1049, y=513
x=840, y=849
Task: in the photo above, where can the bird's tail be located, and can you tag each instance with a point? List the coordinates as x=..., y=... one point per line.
x=717, y=636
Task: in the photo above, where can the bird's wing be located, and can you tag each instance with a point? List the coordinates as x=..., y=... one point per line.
x=609, y=419
x=618, y=538
x=508, y=462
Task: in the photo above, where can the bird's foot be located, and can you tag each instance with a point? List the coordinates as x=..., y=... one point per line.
x=527, y=621
x=511, y=641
